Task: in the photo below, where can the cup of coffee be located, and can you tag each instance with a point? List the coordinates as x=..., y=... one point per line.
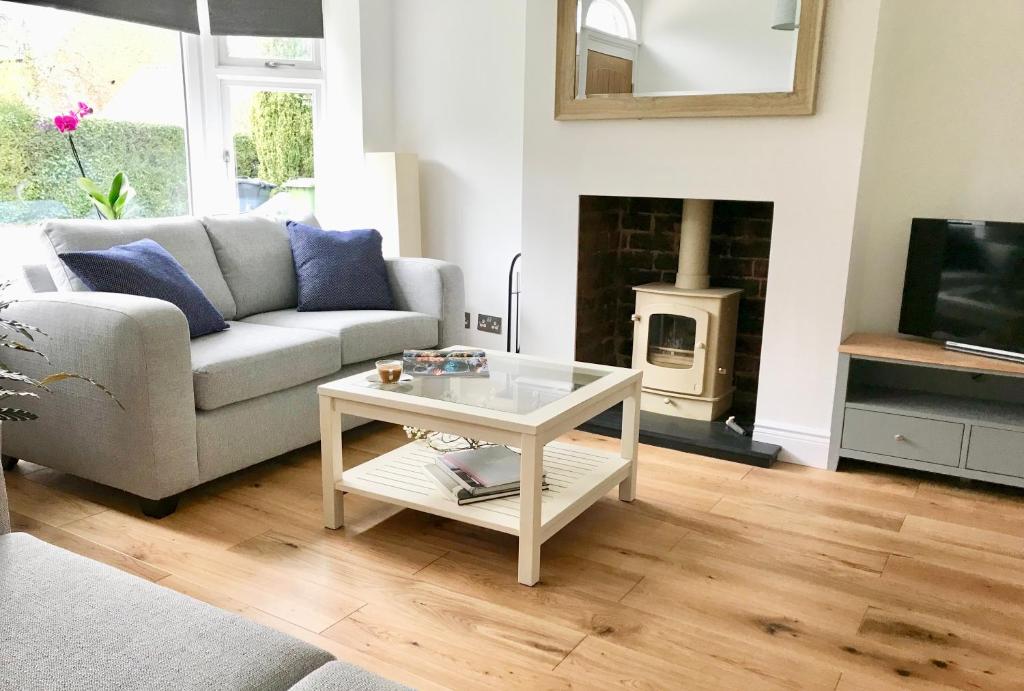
x=389, y=371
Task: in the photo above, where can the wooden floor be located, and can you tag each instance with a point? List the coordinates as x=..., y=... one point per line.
x=718, y=576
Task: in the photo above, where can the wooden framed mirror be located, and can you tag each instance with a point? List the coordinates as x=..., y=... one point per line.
x=638, y=59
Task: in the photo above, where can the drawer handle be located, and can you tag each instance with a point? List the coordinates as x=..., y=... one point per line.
x=667, y=401
x=899, y=437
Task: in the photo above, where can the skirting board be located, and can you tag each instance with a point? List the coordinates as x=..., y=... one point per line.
x=799, y=444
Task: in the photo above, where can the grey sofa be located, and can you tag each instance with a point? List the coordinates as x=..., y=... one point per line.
x=197, y=410
x=72, y=623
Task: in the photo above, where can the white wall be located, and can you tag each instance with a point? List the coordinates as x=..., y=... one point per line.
x=809, y=166
x=358, y=92
x=944, y=138
x=721, y=46
x=458, y=104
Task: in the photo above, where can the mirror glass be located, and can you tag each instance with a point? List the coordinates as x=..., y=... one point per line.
x=685, y=47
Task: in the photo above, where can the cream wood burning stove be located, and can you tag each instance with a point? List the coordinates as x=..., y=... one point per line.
x=684, y=334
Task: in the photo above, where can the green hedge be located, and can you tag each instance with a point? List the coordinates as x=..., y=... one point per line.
x=247, y=163
x=36, y=159
x=282, y=135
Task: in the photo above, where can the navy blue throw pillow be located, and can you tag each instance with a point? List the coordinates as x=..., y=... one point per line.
x=339, y=270
x=146, y=269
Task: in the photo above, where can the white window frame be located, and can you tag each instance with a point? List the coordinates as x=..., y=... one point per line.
x=621, y=6
x=287, y=85
x=207, y=93
x=224, y=58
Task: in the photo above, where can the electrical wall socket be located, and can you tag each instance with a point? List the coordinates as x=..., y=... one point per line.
x=468, y=318
x=485, y=322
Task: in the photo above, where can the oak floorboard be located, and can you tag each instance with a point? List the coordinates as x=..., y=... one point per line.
x=340, y=651
x=675, y=634
x=718, y=576
x=1009, y=519
x=867, y=537
x=35, y=500
x=86, y=548
x=993, y=660
x=278, y=591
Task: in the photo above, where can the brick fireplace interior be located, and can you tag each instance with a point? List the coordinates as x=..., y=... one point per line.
x=625, y=242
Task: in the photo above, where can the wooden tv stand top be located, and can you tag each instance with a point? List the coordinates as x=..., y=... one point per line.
x=919, y=351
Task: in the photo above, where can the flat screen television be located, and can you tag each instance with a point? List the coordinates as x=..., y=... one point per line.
x=965, y=285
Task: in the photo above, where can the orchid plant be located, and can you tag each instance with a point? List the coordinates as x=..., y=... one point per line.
x=110, y=203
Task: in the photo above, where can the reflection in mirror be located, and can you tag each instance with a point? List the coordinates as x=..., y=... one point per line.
x=685, y=47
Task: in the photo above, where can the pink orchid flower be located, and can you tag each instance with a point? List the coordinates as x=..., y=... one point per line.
x=66, y=123
x=83, y=110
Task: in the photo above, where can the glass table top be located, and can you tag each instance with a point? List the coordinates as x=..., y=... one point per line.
x=515, y=385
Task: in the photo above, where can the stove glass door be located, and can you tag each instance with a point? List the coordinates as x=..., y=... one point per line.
x=670, y=345
x=671, y=340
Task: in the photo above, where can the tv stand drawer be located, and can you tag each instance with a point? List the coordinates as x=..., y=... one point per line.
x=996, y=451
x=902, y=436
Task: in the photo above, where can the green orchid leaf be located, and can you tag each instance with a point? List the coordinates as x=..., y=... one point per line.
x=16, y=415
x=62, y=376
x=91, y=188
x=115, y=188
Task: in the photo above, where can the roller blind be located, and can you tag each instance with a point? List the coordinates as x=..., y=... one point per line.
x=294, y=18
x=180, y=15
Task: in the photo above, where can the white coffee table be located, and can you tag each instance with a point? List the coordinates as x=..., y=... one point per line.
x=526, y=403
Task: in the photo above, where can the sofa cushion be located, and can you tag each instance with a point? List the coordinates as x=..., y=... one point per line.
x=250, y=360
x=339, y=270
x=341, y=675
x=184, y=238
x=256, y=260
x=71, y=623
x=365, y=334
x=146, y=269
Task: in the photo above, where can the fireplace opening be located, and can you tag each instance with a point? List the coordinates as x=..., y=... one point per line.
x=677, y=288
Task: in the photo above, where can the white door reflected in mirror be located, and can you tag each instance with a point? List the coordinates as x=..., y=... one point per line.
x=685, y=47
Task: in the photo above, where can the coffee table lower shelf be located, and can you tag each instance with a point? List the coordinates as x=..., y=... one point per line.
x=577, y=477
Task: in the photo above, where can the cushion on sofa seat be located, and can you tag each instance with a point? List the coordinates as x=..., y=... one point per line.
x=341, y=675
x=250, y=360
x=71, y=623
x=146, y=269
x=256, y=258
x=365, y=334
x=340, y=270
x=184, y=238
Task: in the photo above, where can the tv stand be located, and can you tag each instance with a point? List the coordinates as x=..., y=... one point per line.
x=912, y=403
x=984, y=352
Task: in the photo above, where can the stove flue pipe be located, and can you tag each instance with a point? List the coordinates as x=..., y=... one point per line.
x=695, y=244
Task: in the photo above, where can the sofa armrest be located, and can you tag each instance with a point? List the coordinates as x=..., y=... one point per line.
x=38, y=279
x=5, y=516
x=139, y=349
x=433, y=287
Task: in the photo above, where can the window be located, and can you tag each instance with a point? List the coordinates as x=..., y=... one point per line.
x=612, y=17
x=270, y=133
x=199, y=124
x=130, y=75
x=269, y=52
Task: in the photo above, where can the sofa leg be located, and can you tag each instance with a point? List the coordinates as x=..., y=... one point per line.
x=8, y=462
x=159, y=508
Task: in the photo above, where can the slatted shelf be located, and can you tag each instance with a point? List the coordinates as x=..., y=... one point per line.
x=576, y=477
